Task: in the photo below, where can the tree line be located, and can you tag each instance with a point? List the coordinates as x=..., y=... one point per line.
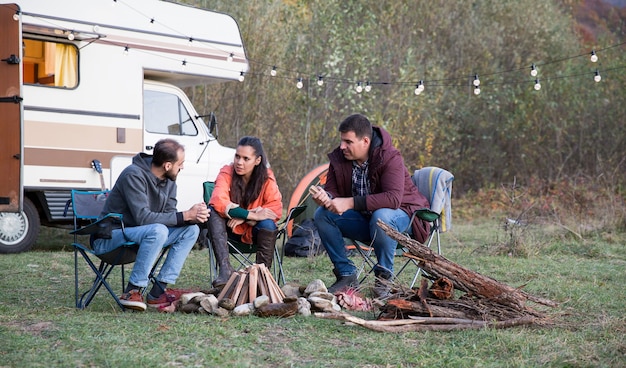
x=571, y=127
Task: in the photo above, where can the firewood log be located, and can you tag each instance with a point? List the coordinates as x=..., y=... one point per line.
x=462, y=278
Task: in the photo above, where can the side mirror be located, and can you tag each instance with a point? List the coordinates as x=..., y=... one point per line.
x=213, y=125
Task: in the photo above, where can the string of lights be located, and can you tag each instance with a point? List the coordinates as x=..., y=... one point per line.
x=420, y=86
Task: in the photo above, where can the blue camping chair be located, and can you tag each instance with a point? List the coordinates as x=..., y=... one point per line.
x=86, y=207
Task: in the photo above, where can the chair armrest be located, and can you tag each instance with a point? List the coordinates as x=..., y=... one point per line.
x=426, y=215
x=102, y=228
x=292, y=213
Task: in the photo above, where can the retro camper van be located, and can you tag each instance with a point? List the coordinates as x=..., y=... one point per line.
x=85, y=85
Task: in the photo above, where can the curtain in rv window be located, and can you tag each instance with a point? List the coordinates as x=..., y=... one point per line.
x=50, y=63
x=65, y=66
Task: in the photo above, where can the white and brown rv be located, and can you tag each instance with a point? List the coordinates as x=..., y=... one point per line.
x=85, y=85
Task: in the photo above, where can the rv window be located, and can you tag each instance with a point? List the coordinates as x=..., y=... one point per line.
x=164, y=113
x=50, y=63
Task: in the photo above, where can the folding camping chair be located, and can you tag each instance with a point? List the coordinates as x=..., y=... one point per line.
x=86, y=207
x=243, y=252
x=436, y=185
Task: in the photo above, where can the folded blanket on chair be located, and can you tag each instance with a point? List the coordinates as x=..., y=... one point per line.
x=436, y=184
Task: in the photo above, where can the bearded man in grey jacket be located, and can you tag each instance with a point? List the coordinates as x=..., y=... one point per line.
x=145, y=195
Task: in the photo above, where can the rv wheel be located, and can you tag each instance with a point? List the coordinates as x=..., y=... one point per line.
x=19, y=231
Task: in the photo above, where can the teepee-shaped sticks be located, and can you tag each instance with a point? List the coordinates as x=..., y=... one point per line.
x=245, y=285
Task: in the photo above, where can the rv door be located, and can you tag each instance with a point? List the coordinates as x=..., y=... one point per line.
x=10, y=109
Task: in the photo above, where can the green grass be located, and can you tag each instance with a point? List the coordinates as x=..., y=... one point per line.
x=40, y=327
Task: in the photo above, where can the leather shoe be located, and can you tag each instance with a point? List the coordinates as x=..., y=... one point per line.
x=344, y=282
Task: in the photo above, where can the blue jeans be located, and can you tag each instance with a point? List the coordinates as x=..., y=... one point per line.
x=353, y=225
x=152, y=239
x=263, y=224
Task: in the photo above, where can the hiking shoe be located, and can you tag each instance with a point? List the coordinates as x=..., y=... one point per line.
x=167, y=298
x=344, y=282
x=133, y=300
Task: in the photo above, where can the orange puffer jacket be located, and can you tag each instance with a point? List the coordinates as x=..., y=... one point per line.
x=269, y=197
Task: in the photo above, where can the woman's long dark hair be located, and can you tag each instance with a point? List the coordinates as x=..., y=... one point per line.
x=245, y=194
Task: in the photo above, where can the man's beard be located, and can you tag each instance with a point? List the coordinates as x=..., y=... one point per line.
x=170, y=174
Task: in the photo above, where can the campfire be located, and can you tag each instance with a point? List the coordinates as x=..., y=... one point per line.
x=484, y=302
x=245, y=285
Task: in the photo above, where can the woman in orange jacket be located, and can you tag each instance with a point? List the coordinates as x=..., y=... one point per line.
x=247, y=199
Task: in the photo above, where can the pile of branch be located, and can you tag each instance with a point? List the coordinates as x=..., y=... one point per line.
x=245, y=285
x=415, y=324
x=485, y=301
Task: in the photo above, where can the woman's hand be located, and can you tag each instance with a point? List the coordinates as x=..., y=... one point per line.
x=260, y=214
x=233, y=222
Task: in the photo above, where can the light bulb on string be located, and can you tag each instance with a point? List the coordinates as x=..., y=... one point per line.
x=320, y=80
x=597, y=77
x=299, y=84
x=368, y=86
x=190, y=41
x=151, y=21
x=114, y=3
x=537, y=85
x=594, y=57
x=183, y=65
x=359, y=87
x=476, y=81
x=476, y=90
x=126, y=50
x=533, y=70
x=230, y=57
x=241, y=77
x=419, y=87
x=273, y=71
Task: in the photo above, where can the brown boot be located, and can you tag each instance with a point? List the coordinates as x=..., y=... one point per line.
x=266, y=242
x=219, y=241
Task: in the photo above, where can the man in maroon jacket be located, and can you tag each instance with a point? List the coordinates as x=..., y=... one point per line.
x=367, y=181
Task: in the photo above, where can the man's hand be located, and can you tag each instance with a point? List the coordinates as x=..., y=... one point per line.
x=319, y=195
x=335, y=205
x=341, y=205
x=197, y=214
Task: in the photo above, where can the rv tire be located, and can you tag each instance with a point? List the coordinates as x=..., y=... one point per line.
x=19, y=231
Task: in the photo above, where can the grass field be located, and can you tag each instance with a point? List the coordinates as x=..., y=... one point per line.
x=39, y=327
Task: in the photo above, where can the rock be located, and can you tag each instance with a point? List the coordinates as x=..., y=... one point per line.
x=221, y=312
x=316, y=285
x=227, y=304
x=209, y=303
x=260, y=301
x=321, y=304
x=189, y=308
x=186, y=298
x=244, y=309
x=324, y=295
x=291, y=290
x=304, y=307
